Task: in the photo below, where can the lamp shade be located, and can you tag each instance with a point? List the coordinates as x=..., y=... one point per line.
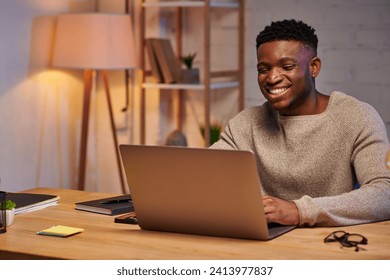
x=94, y=41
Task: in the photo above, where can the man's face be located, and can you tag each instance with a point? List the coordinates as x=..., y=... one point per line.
x=285, y=77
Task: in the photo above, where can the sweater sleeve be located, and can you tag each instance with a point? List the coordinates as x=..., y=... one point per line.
x=238, y=134
x=226, y=141
x=370, y=202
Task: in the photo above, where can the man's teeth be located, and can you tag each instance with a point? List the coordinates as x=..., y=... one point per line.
x=278, y=91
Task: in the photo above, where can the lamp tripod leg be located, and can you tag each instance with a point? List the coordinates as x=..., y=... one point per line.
x=107, y=90
x=84, y=128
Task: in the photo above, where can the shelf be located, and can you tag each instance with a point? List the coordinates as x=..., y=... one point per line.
x=213, y=86
x=224, y=79
x=176, y=4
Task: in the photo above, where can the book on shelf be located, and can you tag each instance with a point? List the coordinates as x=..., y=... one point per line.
x=27, y=202
x=156, y=71
x=109, y=206
x=166, y=59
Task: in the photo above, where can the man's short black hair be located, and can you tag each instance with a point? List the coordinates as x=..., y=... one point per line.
x=288, y=30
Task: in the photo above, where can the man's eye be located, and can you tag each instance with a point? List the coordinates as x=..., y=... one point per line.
x=262, y=71
x=288, y=67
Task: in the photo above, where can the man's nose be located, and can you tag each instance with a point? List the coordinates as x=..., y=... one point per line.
x=274, y=77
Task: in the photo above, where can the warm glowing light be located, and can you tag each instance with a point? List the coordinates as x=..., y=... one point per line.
x=94, y=41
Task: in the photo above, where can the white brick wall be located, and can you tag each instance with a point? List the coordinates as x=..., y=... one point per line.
x=354, y=45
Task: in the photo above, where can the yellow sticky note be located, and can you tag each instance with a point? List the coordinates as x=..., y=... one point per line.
x=61, y=231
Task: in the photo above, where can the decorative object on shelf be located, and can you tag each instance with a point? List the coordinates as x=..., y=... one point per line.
x=94, y=42
x=215, y=131
x=189, y=75
x=188, y=60
x=176, y=138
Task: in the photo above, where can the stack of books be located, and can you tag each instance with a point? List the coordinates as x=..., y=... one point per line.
x=27, y=202
x=163, y=62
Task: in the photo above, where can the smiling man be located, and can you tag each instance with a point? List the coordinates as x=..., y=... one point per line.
x=312, y=149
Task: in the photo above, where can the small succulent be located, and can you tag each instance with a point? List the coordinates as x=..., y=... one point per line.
x=188, y=60
x=9, y=205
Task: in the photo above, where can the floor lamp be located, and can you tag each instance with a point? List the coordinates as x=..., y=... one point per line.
x=94, y=42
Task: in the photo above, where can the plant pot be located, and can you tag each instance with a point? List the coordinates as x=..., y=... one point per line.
x=10, y=215
x=190, y=76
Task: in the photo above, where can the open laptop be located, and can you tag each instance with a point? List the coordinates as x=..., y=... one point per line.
x=197, y=191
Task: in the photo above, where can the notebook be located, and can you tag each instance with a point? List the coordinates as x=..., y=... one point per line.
x=109, y=206
x=197, y=191
x=27, y=202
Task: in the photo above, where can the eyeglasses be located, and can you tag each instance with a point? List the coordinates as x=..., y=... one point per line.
x=347, y=239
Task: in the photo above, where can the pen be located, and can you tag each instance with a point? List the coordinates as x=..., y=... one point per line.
x=115, y=201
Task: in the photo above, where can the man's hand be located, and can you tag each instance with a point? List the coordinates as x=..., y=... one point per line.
x=280, y=211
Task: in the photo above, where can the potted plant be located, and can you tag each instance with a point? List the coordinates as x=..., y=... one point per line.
x=189, y=75
x=215, y=132
x=188, y=60
x=9, y=206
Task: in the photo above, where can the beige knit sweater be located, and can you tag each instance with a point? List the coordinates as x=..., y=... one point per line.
x=316, y=160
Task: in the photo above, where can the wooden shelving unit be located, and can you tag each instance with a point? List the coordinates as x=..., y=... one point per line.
x=207, y=85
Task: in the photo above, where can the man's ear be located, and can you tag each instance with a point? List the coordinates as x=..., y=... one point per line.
x=315, y=66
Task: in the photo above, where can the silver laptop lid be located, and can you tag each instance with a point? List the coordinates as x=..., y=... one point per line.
x=195, y=191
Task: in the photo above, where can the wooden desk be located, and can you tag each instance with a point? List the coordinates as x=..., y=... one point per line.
x=104, y=239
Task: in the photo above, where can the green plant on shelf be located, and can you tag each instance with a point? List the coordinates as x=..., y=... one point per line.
x=188, y=60
x=215, y=132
